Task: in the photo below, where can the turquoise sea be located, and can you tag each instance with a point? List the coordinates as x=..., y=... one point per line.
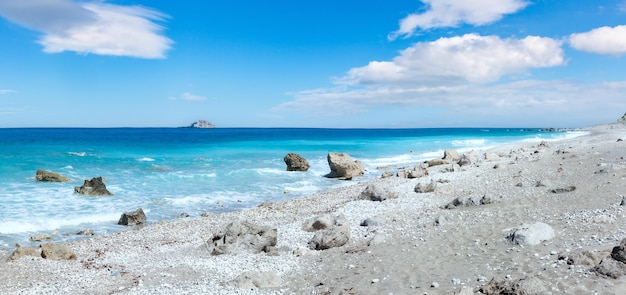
x=169, y=171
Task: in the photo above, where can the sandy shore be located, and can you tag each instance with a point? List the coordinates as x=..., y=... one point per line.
x=417, y=247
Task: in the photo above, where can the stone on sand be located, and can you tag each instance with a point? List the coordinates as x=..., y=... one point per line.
x=244, y=236
x=531, y=234
x=337, y=235
x=54, y=251
x=374, y=192
x=342, y=166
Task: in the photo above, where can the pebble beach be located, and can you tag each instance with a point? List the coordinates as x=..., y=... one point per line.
x=469, y=235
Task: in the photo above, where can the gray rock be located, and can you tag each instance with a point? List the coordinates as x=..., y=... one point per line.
x=426, y=188
x=468, y=159
x=582, y=257
x=563, y=190
x=611, y=268
x=319, y=222
x=296, y=162
x=619, y=252
x=468, y=202
x=40, y=238
x=437, y=162
x=371, y=222
x=342, y=166
x=531, y=234
x=93, y=187
x=55, y=251
x=244, y=236
x=336, y=235
x=136, y=217
x=417, y=172
x=525, y=286
x=374, y=192
x=256, y=280
x=43, y=175
x=85, y=232
x=622, y=119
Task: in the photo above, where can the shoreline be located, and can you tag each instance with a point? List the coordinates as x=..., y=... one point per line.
x=416, y=244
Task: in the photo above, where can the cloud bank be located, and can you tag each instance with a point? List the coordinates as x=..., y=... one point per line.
x=603, y=40
x=452, y=13
x=91, y=27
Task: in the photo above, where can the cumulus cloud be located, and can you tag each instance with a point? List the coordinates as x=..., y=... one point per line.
x=468, y=58
x=189, y=97
x=452, y=13
x=91, y=27
x=603, y=40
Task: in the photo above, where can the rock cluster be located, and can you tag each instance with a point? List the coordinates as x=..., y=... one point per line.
x=52, y=251
x=330, y=231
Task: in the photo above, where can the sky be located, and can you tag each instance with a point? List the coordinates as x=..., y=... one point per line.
x=329, y=64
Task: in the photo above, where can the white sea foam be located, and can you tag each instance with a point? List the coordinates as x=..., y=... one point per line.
x=468, y=143
x=78, y=154
x=145, y=159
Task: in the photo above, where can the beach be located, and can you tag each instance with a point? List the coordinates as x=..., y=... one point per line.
x=414, y=242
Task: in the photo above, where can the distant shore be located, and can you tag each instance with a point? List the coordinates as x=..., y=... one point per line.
x=453, y=240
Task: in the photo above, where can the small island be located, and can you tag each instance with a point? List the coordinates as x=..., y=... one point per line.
x=201, y=124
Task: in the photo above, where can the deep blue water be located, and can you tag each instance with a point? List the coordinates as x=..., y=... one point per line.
x=168, y=171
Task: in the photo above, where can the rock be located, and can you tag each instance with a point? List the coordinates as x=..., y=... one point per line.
x=563, y=190
x=342, y=166
x=582, y=257
x=202, y=124
x=85, y=232
x=386, y=174
x=42, y=175
x=468, y=202
x=426, y=188
x=417, y=172
x=370, y=222
x=296, y=162
x=619, y=252
x=374, y=192
x=131, y=218
x=256, y=280
x=24, y=251
x=40, y=238
x=335, y=236
x=465, y=291
x=436, y=162
x=523, y=286
x=468, y=159
x=54, y=251
x=611, y=268
x=206, y=214
x=451, y=155
x=491, y=157
x=319, y=222
x=244, y=236
x=93, y=187
x=183, y=215
x=531, y=234
x=622, y=119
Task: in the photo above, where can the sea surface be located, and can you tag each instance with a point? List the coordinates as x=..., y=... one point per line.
x=169, y=171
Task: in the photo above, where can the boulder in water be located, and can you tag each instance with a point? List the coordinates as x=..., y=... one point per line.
x=93, y=187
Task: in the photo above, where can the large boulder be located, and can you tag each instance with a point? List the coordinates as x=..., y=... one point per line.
x=531, y=234
x=296, y=162
x=24, y=251
x=342, y=166
x=43, y=175
x=244, y=236
x=136, y=217
x=93, y=187
x=335, y=235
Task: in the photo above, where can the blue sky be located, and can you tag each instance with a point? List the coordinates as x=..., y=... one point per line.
x=343, y=64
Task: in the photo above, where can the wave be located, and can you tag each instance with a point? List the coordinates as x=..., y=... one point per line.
x=78, y=154
x=468, y=143
x=145, y=159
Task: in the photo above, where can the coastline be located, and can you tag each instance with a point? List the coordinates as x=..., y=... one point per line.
x=416, y=244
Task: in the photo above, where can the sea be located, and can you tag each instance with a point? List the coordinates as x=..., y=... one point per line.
x=172, y=171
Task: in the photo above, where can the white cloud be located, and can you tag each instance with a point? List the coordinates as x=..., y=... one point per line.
x=452, y=13
x=91, y=27
x=189, y=97
x=467, y=58
x=603, y=40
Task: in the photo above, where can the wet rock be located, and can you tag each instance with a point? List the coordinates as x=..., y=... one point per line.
x=47, y=176
x=55, y=251
x=85, y=232
x=531, y=234
x=40, y=238
x=342, y=166
x=296, y=162
x=244, y=236
x=131, y=218
x=93, y=187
